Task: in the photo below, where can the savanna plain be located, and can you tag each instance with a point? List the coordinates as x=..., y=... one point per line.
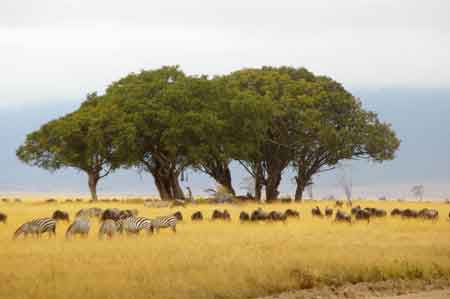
x=219, y=259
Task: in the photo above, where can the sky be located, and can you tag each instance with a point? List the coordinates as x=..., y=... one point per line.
x=59, y=50
x=393, y=54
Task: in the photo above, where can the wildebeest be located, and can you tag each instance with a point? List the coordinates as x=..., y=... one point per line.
x=258, y=214
x=60, y=215
x=5, y=200
x=197, y=216
x=3, y=217
x=80, y=226
x=108, y=228
x=374, y=212
x=17, y=200
x=113, y=214
x=409, y=213
x=276, y=216
x=51, y=200
x=328, y=212
x=343, y=217
x=178, y=215
x=316, y=212
x=428, y=214
x=396, y=212
x=354, y=210
x=216, y=215
x=362, y=215
x=289, y=213
x=128, y=213
x=243, y=216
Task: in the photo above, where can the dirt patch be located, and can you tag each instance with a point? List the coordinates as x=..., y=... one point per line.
x=398, y=289
x=441, y=294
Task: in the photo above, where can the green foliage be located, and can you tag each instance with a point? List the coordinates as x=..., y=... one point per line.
x=164, y=121
x=314, y=124
x=94, y=139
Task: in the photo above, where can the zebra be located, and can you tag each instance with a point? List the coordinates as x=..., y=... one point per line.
x=164, y=222
x=80, y=226
x=37, y=227
x=133, y=225
x=109, y=228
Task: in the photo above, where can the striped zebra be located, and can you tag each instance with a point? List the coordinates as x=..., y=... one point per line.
x=164, y=222
x=133, y=225
x=80, y=226
x=37, y=227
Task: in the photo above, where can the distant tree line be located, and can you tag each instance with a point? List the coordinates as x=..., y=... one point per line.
x=163, y=122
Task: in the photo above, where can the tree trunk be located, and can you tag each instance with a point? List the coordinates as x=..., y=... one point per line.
x=93, y=179
x=162, y=186
x=259, y=182
x=167, y=183
x=273, y=181
x=225, y=180
x=299, y=190
x=175, y=186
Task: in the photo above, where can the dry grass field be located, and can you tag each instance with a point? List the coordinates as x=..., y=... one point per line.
x=220, y=259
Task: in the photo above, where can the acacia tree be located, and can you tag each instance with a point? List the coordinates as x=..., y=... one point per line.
x=331, y=126
x=314, y=124
x=174, y=123
x=236, y=126
x=92, y=139
x=274, y=89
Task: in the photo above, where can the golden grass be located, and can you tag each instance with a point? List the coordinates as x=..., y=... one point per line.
x=219, y=260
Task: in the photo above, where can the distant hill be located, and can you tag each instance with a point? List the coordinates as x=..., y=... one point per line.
x=419, y=116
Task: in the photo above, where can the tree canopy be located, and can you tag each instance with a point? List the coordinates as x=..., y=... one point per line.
x=93, y=139
x=163, y=121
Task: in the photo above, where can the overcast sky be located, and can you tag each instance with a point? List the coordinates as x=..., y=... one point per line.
x=60, y=50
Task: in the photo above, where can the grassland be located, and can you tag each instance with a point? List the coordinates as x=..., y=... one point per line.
x=217, y=259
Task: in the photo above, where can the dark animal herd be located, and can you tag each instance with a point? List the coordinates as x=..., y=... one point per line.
x=113, y=219
x=365, y=214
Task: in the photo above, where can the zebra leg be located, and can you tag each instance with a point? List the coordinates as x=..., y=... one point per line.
x=174, y=229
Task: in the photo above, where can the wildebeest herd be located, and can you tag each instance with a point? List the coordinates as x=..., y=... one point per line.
x=115, y=221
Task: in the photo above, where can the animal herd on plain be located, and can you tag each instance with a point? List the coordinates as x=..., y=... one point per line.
x=114, y=221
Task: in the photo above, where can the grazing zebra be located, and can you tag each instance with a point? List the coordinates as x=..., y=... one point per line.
x=37, y=227
x=109, y=228
x=80, y=226
x=133, y=225
x=164, y=222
